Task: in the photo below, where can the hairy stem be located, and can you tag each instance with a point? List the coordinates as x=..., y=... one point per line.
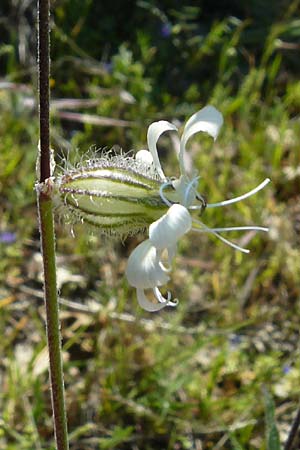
x=46, y=223
x=52, y=321
x=44, y=94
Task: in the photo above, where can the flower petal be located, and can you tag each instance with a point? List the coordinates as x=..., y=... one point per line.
x=143, y=269
x=144, y=156
x=186, y=189
x=165, y=232
x=147, y=305
x=155, y=130
x=162, y=299
x=208, y=119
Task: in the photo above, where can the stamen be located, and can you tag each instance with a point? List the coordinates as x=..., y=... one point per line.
x=226, y=241
x=241, y=197
x=238, y=229
x=194, y=207
x=161, y=193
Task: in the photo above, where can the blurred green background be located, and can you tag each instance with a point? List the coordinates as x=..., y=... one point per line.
x=217, y=371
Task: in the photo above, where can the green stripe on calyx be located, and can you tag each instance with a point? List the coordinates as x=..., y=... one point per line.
x=119, y=200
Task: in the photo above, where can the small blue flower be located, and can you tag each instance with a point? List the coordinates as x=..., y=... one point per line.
x=7, y=237
x=166, y=30
x=286, y=369
x=108, y=67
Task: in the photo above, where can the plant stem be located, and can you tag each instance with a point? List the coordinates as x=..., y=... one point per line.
x=293, y=431
x=52, y=321
x=46, y=223
x=44, y=93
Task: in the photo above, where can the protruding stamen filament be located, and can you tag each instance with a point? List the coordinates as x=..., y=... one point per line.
x=246, y=228
x=241, y=197
x=211, y=230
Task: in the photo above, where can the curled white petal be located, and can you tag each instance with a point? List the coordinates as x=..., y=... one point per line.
x=155, y=130
x=208, y=119
x=165, y=232
x=171, y=251
x=143, y=268
x=150, y=306
x=162, y=299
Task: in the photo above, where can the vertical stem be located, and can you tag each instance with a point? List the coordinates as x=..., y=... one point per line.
x=44, y=94
x=293, y=432
x=52, y=322
x=46, y=222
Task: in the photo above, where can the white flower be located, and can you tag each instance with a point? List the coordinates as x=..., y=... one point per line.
x=146, y=269
x=165, y=232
